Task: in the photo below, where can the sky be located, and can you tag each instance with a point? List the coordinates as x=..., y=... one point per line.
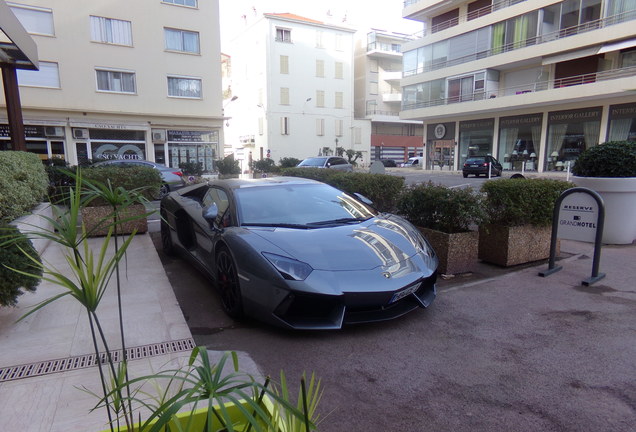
x=379, y=14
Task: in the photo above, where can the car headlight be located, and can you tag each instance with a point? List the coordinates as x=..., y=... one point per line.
x=289, y=268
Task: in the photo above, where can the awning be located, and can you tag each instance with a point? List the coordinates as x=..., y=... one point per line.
x=615, y=46
x=571, y=55
x=16, y=46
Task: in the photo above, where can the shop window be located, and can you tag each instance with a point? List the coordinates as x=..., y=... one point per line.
x=569, y=134
x=182, y=40
x=622, y=125
x=519, y=139
x=475, y=138
x=115, y=81
x=283, y=35
x=48, y=76
x=113, y=31
x=184, y=87
x=35, y=20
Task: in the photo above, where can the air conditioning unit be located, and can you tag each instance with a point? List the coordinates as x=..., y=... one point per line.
x=80, y=133
x=159, y=136
x=54, y=131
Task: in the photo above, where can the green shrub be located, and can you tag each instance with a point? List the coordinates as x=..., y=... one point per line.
x=13, y=246
x=266, y=165
x=128, y=177
x=288, y=162
x=59, y=182
x=23, y=183
x=612, y=159
x=514, y=202
x=441, y=208
x=191, y=168
x=383, y=190
x=227, y=166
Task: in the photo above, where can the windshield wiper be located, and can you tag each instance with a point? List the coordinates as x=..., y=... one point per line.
x=277, y=225
x=339, y=221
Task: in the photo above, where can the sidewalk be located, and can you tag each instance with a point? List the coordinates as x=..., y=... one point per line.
x=43, y=358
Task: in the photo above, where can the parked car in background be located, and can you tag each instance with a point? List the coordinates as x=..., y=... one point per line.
x=332, y=162
x=479, y=165
x=414, y=162
x=172, y=177
x=298, y=253
x=389, y=163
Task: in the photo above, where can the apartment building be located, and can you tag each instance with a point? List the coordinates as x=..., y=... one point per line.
x=122, y=79
x=378, y=96
x=292, y=80
x=533, y=83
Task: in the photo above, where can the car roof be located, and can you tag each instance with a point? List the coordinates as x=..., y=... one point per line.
x=236, y=183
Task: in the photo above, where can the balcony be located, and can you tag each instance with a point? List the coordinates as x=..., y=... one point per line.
x=537, y=40
x=384, y=50
x=391, y=97
x=608, y=83
x=391, y=75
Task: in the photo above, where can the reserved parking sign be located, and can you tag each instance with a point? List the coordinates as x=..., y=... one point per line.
x=578, y=217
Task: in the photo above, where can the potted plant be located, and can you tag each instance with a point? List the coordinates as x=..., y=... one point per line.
x=519, y=219
x=447, y=218
x=610, y=170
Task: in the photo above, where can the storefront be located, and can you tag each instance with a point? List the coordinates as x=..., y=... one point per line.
x=106, y=141
x=519, y=142
x=190, y=146
x=46, y=141
x=622, y=123
x=440, y=143
x=475, y=138
x=569, y=134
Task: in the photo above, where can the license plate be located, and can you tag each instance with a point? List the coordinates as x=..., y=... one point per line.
x=405, y=292
x=474, y=166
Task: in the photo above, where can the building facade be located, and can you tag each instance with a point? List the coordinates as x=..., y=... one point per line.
x=121, y=79
x=533, y=83
x=292, y=79
x=378, y=96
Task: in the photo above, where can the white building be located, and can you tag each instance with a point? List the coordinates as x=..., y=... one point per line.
x=378, y=96
x=531, y=82
x=293, y=79
x=122, y=79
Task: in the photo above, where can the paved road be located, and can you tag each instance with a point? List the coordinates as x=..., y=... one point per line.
x=485, y=357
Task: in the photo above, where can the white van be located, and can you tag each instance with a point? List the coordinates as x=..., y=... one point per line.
x=414, y=162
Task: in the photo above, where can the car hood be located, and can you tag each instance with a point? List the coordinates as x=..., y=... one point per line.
x=378, y=242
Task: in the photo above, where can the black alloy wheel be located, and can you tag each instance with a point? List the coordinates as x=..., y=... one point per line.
x=228, y=283
x=166, y=238
x=163, y=191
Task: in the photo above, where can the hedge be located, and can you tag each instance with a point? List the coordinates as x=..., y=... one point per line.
x=12, y=255
x=23, y=183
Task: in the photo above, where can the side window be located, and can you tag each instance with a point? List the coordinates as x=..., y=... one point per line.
x=218, y=197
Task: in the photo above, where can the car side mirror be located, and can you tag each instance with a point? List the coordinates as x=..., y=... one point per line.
x=328, y=164
x=364, y=199
x=210, y=213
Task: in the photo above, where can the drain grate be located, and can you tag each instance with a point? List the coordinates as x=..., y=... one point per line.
x=12, y=373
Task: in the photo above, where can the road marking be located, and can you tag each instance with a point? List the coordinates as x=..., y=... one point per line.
x=460, y=185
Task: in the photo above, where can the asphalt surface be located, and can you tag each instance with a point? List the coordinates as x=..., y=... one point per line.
x=499, y=350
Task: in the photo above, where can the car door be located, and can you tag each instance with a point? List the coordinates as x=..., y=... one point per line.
x=206, y=236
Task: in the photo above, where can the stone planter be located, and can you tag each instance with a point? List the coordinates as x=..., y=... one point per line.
x=97, y=220
x=508, y=246
x=619, y=196
x=457, y=253
x=39, y=221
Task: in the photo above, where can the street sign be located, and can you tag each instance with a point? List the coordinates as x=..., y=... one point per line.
x=578, y=216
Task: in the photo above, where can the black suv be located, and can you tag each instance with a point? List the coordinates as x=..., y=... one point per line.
x=480, y=164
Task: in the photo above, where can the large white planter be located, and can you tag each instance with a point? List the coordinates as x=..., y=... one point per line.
x=619, y=196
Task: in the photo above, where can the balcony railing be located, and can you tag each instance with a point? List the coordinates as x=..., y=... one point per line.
x=371, y=112
x=529, y=88
x=384, y=47
x=537, y=40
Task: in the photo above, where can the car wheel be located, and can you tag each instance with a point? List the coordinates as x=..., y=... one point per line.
x=228, y=284
x=163, y=191
x=166, y=239
x=465, y=175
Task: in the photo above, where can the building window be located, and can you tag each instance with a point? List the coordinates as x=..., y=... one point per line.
x=114, y=31
x=284, y=96
x=184, y=87
x=339, y=73
x=475, y=138
x=466, y=88
x=182, y=40
x=284, y=125
x=339, y=44
x=628, y=59
x=339, y=100
x=284, y=64
x=115, y=81
x=320, y=68
x=569, y=134
x=35, y=20
x=191, y=3
x=519, y=141
x=48, y=76
x=320, y=127
x=283, y=35
x=339, y=127
x=319, y=39
x=622, y=123
x=320, y=98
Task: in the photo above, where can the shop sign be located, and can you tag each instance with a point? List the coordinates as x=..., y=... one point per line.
x=192, y=136
x=105, y=126
x=575, y=116
x=120, y=152
x=578, y=217
x=486, y=124
x=29, y=131
x=526, y=120
x=622, y=111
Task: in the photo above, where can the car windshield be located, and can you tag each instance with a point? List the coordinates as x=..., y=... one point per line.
x=302, y=206
x=476, y=160
x=313, y=162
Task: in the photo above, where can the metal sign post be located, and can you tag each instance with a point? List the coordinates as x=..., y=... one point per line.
x=579, y=214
